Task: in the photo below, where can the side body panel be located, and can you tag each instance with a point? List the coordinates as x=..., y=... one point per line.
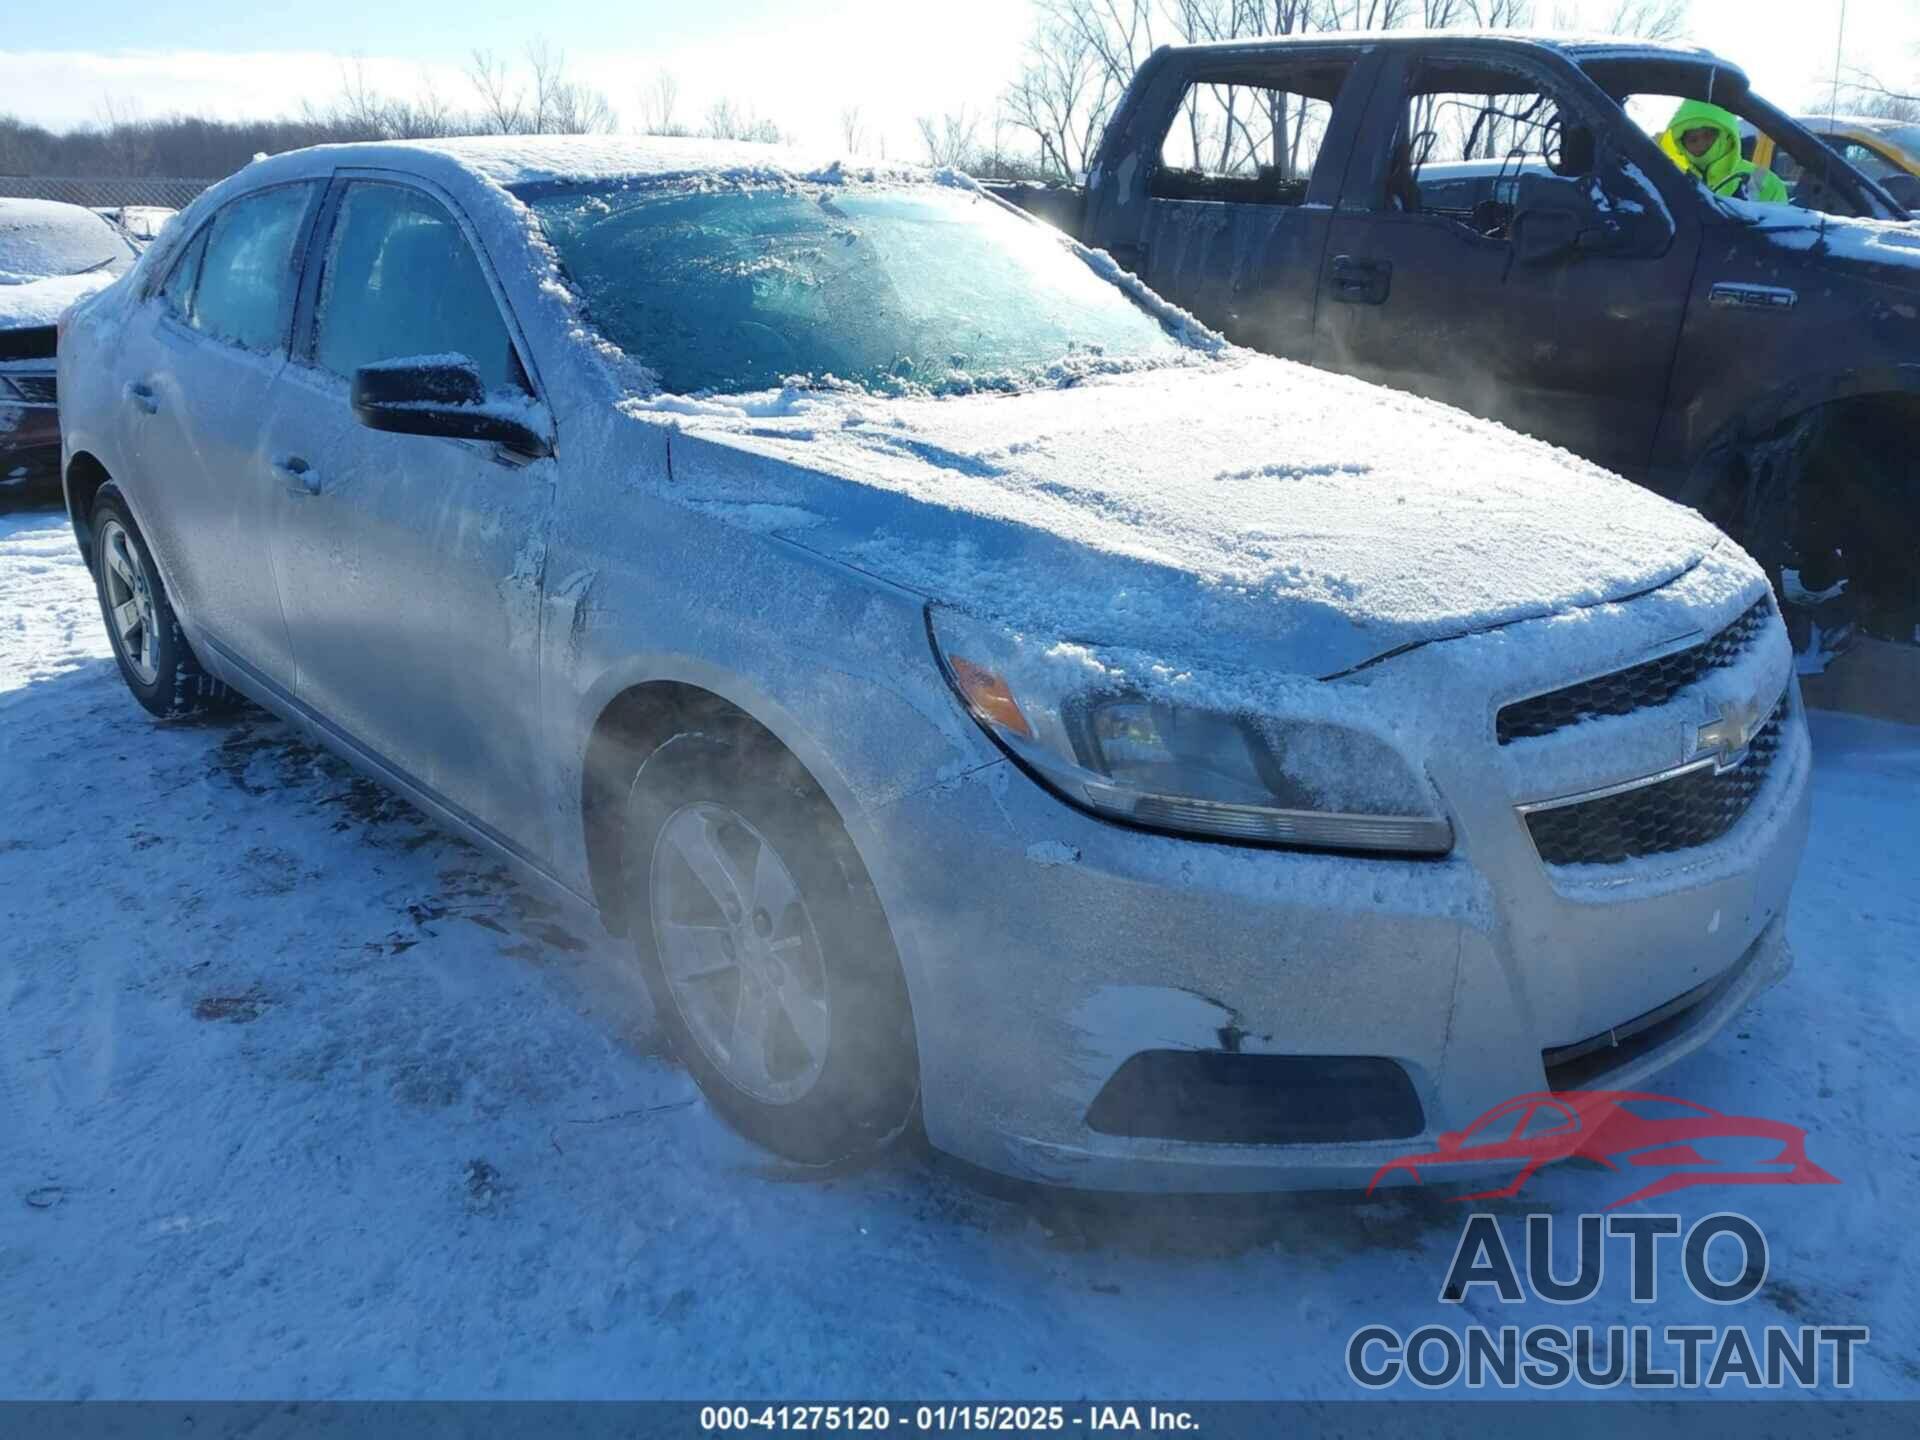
x=411, y=568
x=1249, y=270
x=1576, y=349
x=191, y=454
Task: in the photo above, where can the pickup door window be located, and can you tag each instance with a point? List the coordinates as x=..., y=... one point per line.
x=410, y=563
x=1239, y=195
x=1493, y=249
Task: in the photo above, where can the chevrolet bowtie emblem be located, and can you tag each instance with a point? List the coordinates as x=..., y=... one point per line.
x=1728, y=737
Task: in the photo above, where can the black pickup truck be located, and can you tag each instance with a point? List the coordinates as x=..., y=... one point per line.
x=1490, y=221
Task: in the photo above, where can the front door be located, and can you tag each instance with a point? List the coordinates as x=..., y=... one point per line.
x=1432, y=281
x=198, y=371
x=411, y=566
x=1234, y=196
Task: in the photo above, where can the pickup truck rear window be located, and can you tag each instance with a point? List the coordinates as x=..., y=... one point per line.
x=1242, y=144
x=890, y=288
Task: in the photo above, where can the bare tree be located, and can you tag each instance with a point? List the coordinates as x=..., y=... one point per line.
x=1865, y=93
x=658, y=98
x=950, y=139
x=727, y=121
x=1638, y=19
x=502, y=108
x=1062, y=97
x=562, y=106
x=853, y=131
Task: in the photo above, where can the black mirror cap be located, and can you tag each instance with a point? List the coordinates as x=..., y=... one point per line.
x=438, y=395
x=1905, y=190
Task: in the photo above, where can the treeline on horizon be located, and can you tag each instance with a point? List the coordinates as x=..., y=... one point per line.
x=184, y=146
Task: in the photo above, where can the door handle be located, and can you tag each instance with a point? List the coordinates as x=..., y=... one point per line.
x=301, y=478
x=1361, y=282
x=140, y=395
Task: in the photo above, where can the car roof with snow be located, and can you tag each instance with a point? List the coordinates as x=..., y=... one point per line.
x=513, y=161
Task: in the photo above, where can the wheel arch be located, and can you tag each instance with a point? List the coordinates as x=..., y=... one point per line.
x=637, y=709
x=1790, y=479
x=1786, y=406
x=83, y=480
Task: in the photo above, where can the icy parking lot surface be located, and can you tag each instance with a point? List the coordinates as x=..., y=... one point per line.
x=300, y=1097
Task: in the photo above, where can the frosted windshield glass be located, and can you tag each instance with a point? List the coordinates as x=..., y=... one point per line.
x=891, y=289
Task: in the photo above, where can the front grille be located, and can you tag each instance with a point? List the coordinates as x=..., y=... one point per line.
x=1695, y=807
x=1577, y=1066
x=28, y=389
x=1638, y=687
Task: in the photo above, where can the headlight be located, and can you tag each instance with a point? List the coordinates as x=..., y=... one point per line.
x=1104, y=744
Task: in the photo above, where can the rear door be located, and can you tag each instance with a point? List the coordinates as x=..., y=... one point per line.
x=197, y=373
x=1427, y=294
x=1223, y=200
x=411, y=565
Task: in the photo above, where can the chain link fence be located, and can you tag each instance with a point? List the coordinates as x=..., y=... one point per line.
x=103, y=190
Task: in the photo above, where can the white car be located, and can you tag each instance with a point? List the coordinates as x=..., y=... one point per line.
x=980, y=693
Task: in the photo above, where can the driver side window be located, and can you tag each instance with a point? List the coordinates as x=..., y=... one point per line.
x=1469, y=137
x=400, y=279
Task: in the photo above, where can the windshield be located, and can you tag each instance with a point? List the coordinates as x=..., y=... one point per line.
x=41, y=238
x=892, y=289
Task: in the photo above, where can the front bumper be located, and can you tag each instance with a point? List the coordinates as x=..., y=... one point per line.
x=29, y=445
x=1046, y=948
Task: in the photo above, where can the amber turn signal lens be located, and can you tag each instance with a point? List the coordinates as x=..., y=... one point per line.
x=989, y=696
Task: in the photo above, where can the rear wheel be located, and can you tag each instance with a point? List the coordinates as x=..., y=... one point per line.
x=770, y=964
x=154, y=658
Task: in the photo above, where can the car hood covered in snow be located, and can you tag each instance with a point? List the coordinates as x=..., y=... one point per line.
x=39, y=302
x=1247, y=512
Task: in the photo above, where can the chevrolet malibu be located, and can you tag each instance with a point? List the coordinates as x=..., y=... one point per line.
x=986, y=700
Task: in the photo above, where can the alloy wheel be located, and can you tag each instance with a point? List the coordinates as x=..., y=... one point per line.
x=129, y=594
x=740, y=953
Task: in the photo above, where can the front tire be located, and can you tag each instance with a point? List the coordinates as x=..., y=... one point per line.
x=770, y=964
x=155, y=660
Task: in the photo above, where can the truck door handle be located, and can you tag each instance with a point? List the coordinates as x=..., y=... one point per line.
x=1361, y=282
x=140, y=395
x=301, y=478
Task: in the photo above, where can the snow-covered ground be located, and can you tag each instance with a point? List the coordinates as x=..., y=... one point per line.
x=301, y=1098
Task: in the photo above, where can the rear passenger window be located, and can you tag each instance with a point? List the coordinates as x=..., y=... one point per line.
x=1249, y=144
x=247, y=275
x=400, y=280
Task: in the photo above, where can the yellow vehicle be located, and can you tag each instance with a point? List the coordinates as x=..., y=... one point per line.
x=1884, y=150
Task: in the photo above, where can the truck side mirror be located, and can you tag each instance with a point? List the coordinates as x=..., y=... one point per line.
x=1905, y=190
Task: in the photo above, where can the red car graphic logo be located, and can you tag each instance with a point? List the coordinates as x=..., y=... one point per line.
x=1623, y=1130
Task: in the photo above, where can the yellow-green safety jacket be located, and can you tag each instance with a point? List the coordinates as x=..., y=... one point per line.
x=1722, y=169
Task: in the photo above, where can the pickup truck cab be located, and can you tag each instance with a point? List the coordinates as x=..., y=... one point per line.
x=1488, y=220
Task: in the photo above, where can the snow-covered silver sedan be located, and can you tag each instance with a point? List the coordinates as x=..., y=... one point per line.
x=985, y=697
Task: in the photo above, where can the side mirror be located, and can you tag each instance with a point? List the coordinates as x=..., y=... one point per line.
x=441, y=395
x=1450, y=1140
x=1905, y=190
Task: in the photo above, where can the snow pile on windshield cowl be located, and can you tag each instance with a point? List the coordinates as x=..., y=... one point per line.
x=42, y=301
